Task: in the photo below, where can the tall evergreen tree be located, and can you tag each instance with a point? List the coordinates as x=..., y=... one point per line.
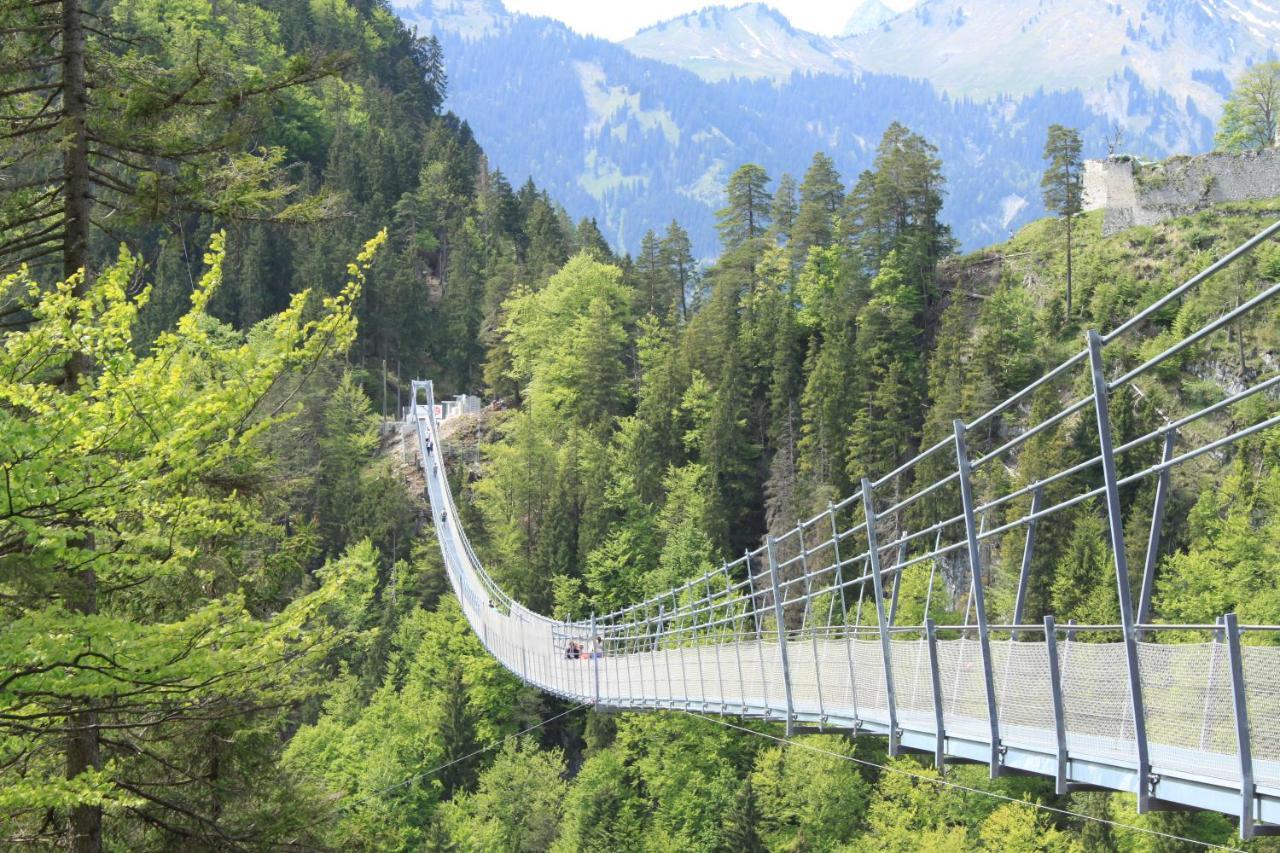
x=682, y=268
x=746, y=215
x=1063, y=182
x=821, y=198
x=784, y=208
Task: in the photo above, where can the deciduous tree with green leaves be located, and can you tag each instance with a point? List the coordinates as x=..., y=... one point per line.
x=1251, y=115
x=124, y=620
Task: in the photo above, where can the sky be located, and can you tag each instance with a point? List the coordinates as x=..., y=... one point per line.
x=618, y=19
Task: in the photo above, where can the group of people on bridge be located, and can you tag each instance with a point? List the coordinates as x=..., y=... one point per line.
x=579, y=651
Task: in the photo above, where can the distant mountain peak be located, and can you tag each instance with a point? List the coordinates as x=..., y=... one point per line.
x=867, y=16
x=751, y=40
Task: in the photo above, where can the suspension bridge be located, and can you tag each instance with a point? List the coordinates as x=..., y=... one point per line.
x=803, y=630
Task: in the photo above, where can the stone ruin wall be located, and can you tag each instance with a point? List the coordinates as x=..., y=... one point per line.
x=1143, y=194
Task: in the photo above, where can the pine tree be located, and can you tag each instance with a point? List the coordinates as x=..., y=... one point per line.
x=1063, y=182
x=784, y=208
x=682, y=268
x=746, y=216
x=740, y=835
x=821, y=198
x=651, y=277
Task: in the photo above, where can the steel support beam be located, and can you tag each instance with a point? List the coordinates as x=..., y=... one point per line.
x=1024, y=573
x=1157, y=528
x=1059, y=714
x=1115, y=523
x=1249, y=827
x=882, y=620
x=844, y=605
x=595, y=660
x=755, y=616
x=778, y=616
x=979, y=598
x=935, y=675
x=897, y=580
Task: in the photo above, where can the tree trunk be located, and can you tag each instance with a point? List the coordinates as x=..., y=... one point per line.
x=1068, y=265
x=82, y=749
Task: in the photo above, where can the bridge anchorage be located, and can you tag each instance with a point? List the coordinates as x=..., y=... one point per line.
x=786, y=632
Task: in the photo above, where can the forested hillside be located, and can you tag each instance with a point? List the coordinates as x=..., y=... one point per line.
x=223, y=620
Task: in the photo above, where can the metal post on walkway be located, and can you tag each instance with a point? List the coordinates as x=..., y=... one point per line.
x=813, y=634
x=782, y=631
x=1055, y=699
x=897, y=578
x=979, y=597
x=595, y=660
x=882, y=621
x=1115, y=522
x=1240, y=704
x=755, y=615
x=1024, y=572
x=1157, y=529
x=935, y=676
x=844, y=610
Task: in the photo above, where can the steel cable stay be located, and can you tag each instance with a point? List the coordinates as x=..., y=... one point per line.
x=775, y=635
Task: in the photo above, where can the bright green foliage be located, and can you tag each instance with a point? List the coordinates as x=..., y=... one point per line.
x=517, y=805
x=567, y=341
x=808, y=799
x=1018, y=828
x=1233, y=556
x=603, y=811
x=443, y=697
x=140, y=470
x=1251, y=115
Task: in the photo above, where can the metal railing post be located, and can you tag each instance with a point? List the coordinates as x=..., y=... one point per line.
x=595, y=660
x=1055, y=698
x=1024, y=572
x=882, y=622
x=1240, y=704
x=755, y=618
x=782, y=632
x=935, y=675
x=1115, y=521
x=979, y=598
x=897, y=579
x=1157, y=529
x=813, y=634
x=844, y=610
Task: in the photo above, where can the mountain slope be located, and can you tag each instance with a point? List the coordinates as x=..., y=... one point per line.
x=751, y=41
x=988, y=48
x=635, y=142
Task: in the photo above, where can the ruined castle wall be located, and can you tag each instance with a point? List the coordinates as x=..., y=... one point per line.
x=1133, y=194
